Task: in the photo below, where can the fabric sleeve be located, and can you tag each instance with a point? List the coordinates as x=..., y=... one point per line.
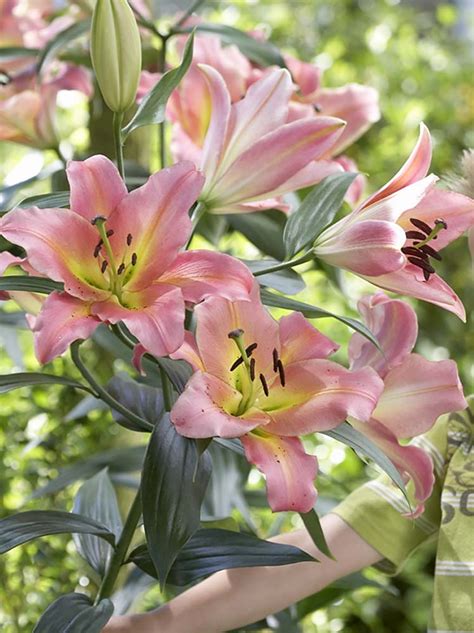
x=375, y=510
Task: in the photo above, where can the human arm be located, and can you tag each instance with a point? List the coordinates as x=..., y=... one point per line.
x=237, y=597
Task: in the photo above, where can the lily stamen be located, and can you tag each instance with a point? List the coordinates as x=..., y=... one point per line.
x=252, y=369
x=281, y=373
x=275, y=360
x=236, y=364
x=264, y=384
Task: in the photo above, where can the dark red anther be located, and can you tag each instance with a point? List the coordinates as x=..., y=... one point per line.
x=110, y=232
x=97, y=249
x=426, y=248
x=250, y=349
x=120, y=269
x=426, y=275
x=426, y=228
x=252, y=369
x=275, y=360
x=281, y=372
x=264, y=384
x=134, y=259
x=317, y=108
x=236, y=364
x=103, y=268
x=421, y=263
x=415, y=235
x=129, y=239
x=411, y=250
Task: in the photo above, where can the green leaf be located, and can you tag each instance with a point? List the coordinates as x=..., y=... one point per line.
x=315, y=212
x=212, y=549
x=61, y=40
x=9, y=382
x=96, y=500
x=264, y=230
x=286, y=280
x=74, y=613
x=146, y=402
x=178, y=371
x=46, y=201
x=174, y=481
x=313, y=525
x=26, y=526
x=153, y=105
x=9, y=53
x=346, y=434
x=117, y=460
x=29, y=283
x=262, y=53
x=312, y=312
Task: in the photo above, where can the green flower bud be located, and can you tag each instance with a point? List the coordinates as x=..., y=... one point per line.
x=116, y=53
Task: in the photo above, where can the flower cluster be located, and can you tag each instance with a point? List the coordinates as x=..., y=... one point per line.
x=243, y=136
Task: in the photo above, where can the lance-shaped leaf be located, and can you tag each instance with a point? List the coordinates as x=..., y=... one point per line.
x=9, y=53
x=313, y=525
x=74, y=613
x=146, y=402
x=29, y=284
x=61, y=40
x=312, y=312
x=262, y=53
x=153, y=106
x=287, y=280
x=174, y=481
x=346, y=434
x=211, y=550
x=58, y=199
x=264, y=230
x=316, y=211
x=96, y=499
x=26, y=526
x=9, y=382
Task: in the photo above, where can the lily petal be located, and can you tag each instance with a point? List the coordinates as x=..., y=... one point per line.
x=217, y=317
x=59, y=244
x=275, y=158
x=289, y=471
x=369, y=247
x=156, y=217
x=189, y=352
x=393, y=323
x=62, y=320
x=154, y=316
x=319, y=395
x=416, y=393
x=96, y=186
x=301, y=341
x=7, y=260
x=411, y=462
x=201, y=410
x=409, y=281
x=415, y=168
x=201, y=274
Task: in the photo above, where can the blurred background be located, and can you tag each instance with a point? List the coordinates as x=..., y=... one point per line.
x=419, y=55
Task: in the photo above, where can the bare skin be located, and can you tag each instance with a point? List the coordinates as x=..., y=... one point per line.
x=234, y=598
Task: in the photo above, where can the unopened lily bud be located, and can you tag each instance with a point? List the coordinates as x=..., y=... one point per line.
x=116, y=53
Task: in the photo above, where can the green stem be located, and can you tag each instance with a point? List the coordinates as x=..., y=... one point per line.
x=195, y=5
x=60, y=155
x=162, y=125
x=166, y=388
x=117, y=125
x=120, y=552
x=101, y=393
x=196, y=215
x=284, y=265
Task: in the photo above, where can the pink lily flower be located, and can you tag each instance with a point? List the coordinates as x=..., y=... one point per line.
x=251, y=154
x=392, y=239
x=117, y=254
x=416, y=391
x=355, y=104
x=268, y=382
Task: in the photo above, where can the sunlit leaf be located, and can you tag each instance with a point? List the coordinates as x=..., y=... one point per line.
x=60, y=41
x=9, y=382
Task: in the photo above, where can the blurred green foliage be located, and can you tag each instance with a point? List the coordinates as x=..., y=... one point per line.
x=423, y=72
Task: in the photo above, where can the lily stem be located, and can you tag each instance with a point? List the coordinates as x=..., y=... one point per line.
x=102, y=394
x=166, y=388
x=196, y=215
x=120, y=552
x=162, y=125
x=117, y=125
x=284, y=265
x=192, y=8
